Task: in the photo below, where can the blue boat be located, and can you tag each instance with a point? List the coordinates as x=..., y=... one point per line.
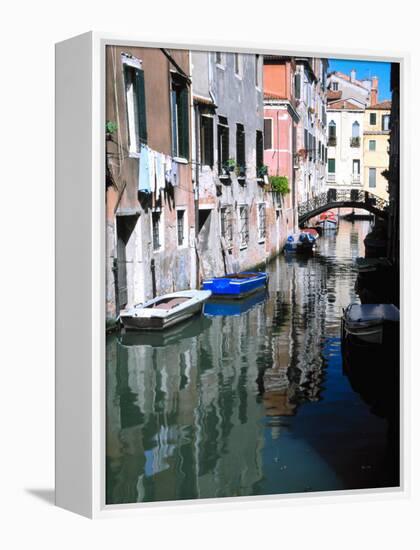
x=236, y=285
x=227, y=308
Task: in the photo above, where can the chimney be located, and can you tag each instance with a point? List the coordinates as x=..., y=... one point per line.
x=374, y=91
x=352, y=75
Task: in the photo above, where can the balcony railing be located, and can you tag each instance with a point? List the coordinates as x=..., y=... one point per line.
x=331, y=177
x=355, y=142
x=332, y=141
x=355, y=178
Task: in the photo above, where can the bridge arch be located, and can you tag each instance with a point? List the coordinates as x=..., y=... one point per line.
x=342, y=198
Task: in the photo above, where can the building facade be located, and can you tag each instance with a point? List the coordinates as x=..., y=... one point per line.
x=280, y=129
x=376, y=136
x=311, y=98
x=236, y=218
x=345, y=144
x=149, y=195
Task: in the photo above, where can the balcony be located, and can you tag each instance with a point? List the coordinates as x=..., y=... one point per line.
x=355, y=179
x=332, y=141
x=355, y=142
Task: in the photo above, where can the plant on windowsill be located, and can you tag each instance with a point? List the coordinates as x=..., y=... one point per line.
x=279, y=184
x=262, y=173
x=110, y=128
x=311, y=110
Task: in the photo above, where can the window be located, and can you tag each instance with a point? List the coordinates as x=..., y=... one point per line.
x=335, y=86
x=355, y=129
x=259, y=152
x=180, y=116
x=207, y=140
x=385, y=123
x=222, y=144
x=372, y=177
x=372, y=145
x=219, y=58
x=261, y=222
x=372, y=119
x=297, y=86
x=180, y=223
x=331, y=166
x=226, y=223
x=268, y=133
x=332, y=134
x=240, y=149
x=136, y=104
x=156, y=230
x=243, y=226
x=356, y=170
x=238, y=63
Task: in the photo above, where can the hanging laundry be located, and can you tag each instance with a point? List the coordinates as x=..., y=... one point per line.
x=144, y=170
x=152, y=170
x=168, y=169
x=160, y=172
x=174, y=174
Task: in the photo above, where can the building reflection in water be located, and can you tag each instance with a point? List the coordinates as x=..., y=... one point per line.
x=248, y=403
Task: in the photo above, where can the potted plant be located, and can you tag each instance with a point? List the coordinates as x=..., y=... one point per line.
x=279, y=184
x=230, y=165
x=110, y=128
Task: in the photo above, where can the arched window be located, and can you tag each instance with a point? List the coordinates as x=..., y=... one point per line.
x=355, y=130
x=331, y=130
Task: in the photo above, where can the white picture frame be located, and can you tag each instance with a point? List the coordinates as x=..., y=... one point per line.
x=80, y=278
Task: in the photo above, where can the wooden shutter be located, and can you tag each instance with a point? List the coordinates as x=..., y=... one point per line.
x=260, y=150
x=240, y=145
x=207, y=141
x=141, y=105
x=268, y=125
x=183, y=125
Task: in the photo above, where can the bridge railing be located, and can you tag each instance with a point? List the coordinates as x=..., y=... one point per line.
x=333, y=196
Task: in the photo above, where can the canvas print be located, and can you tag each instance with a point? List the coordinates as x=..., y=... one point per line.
x=252, y=274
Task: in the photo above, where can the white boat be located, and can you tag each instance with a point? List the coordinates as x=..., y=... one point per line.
x=164, y=311
x=370, y=323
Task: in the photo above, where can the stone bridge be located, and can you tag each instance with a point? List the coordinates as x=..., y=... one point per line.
x=342, y=198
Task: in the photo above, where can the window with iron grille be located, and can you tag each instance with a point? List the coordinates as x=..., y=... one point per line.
x=226, y=223
x=206, y=130
x=268, y=132
x=261, y=222
x=135, y=105
x=243, y=226
x=180, y=117
x=156, y=217
x=222, y=144
x=240, y=148
x=180, y=219
x=260, y=152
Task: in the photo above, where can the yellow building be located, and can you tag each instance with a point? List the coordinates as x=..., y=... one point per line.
x=375, y=148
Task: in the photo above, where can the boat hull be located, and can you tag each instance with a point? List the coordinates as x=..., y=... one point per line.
x=235, y=288
x=144, y=317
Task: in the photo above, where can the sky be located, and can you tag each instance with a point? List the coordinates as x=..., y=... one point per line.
x=366, y=69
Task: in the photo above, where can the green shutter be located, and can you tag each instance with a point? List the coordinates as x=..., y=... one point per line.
x=183, y=125
x=141, y=103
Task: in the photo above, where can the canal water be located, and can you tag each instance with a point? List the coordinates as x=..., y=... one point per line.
x=251, y=398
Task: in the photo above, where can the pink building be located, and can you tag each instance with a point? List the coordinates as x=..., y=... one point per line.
x=280, y=120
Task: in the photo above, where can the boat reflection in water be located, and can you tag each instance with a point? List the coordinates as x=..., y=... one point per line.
x=217, y=306
x=250, y=402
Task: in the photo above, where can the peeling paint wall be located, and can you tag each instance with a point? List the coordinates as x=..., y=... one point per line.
x=131, y=210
